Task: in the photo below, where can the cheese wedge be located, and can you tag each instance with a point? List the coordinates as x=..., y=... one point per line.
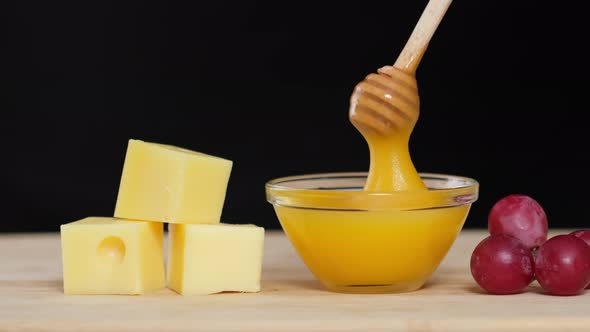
x=207, y=259
x=112, y=256
x=165, y=183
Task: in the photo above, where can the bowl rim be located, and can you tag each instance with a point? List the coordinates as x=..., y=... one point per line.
x=459, y=190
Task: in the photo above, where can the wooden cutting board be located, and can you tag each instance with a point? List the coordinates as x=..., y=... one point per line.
x=31, y=299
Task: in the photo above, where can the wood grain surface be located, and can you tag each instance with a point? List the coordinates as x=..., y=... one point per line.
x=31, y=299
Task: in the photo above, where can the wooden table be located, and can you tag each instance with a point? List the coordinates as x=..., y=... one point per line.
x=31, y=299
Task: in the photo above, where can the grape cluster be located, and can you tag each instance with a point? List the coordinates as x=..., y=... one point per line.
x=517, y=251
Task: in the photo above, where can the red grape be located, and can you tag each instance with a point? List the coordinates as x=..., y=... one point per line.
x=584, y=235
x=521, y=217
x=562, y=265
x=501, y=264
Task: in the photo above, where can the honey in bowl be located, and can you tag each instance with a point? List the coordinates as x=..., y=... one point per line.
x=356, y=241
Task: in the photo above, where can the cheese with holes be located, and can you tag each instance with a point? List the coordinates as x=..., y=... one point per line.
x=112, y=256
x=207, y=259
x=169, y=184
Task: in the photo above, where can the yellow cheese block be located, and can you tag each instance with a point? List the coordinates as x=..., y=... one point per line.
x=170, y=184
x=207, y=259
x=112, y=256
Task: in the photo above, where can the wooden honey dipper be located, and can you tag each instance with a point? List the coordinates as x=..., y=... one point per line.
x=385, y=108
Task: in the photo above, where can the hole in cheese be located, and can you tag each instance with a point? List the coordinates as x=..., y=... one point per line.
x=111, y=250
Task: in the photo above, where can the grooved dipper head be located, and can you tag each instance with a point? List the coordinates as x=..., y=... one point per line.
x=386, y=103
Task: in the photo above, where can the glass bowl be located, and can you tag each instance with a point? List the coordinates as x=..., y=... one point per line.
x=355, y=241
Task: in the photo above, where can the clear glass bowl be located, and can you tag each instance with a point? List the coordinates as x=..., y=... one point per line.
x=355, y=241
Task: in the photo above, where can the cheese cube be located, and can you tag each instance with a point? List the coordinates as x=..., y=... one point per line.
x=112, y=256
x=169, y=184
x=207, y=259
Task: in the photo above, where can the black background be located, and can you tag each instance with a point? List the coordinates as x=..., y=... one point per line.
x=266, y=84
